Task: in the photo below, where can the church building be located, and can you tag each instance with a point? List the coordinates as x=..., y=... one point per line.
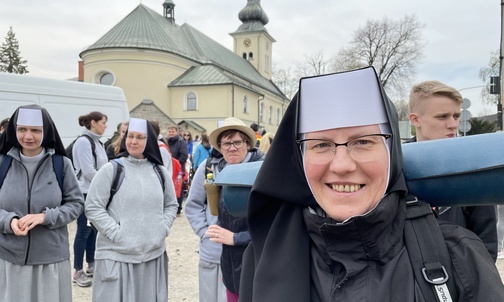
x=178, y=72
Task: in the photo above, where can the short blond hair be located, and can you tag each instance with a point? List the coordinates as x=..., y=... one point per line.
x=426, y=89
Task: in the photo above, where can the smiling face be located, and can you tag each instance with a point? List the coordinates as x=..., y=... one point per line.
x=344, y=187
x=135, y=144
x=30, y=139
x=437, y=117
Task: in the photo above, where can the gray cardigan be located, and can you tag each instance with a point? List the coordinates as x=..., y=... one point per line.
x=48, y=242
x=139, y=218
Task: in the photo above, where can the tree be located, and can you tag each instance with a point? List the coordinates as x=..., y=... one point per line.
x=10, y=56
x=492, y=69
x=394, y=48
x=315, y=64
x=286, y=80
x=480, y=126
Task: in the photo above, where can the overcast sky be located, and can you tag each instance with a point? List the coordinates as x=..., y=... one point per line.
x=460, y=34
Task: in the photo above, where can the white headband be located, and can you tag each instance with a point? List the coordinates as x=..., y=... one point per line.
x=30, y=117
x=340, y=100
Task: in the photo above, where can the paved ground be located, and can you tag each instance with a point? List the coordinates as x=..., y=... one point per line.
x=182, y=246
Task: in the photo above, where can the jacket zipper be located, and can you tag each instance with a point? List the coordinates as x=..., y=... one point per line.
x=29, y=199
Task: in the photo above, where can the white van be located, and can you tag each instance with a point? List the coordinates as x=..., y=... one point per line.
x=65, y=101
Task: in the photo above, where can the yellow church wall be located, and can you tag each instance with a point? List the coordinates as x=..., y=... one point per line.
x=141, y=74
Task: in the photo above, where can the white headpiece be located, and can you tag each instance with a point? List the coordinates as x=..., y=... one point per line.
x=340, y=100
x=137, y=125
x=30, y=117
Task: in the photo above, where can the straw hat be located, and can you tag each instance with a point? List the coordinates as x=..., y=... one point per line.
x=234, y=124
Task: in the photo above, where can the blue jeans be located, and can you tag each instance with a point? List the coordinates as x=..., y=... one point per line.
x=85, y=241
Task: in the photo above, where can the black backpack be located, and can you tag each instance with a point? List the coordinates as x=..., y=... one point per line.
x=428, y=253
x=69, y=151
x=118, y=177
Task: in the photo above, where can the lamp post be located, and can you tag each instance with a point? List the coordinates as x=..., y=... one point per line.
x=501, y=73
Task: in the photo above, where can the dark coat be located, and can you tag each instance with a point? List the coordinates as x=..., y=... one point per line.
x=178, y=149
x=285, y=262
x=482, y=220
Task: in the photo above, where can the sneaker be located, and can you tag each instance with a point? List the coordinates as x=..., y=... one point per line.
x=81, y=279
x=89, y=271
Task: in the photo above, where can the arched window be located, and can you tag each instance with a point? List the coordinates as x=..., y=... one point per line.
x=251, y=56
x=278, y=117
x=244, y=55
x=270, y=115
x=245, y=104
x=191, y=102
x=261, y=112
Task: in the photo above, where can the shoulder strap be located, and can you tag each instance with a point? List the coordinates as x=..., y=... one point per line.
x=93, y=148
x=117, y=179
x=160, y=175
x=57, y=160
x=428, y=252
x=4, y=168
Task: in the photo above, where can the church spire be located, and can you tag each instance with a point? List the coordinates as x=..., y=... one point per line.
x=253, y=12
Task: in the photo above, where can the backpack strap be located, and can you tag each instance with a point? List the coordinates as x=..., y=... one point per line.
x=160, y=175
x=57, y=160
x=4, y=168
x=93, y=149
x=428, y=252
x=117, y=178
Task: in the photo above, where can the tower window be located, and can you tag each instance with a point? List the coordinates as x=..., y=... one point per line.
x=244, y=55
x=251, y=56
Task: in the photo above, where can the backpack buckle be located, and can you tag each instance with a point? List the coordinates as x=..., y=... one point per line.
x=436, y=281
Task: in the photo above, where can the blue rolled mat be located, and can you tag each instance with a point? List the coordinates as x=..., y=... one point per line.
x=459, y=171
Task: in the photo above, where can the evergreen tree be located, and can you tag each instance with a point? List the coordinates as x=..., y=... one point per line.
x=10, y=57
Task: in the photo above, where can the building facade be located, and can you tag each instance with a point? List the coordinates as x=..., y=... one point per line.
x=192, y=79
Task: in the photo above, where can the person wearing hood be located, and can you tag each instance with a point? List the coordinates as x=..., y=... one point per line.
x=327, y=212
x=223, y=238
x=35, y=210
x=131, y=263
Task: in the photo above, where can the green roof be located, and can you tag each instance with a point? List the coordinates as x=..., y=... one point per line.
x=145, y=28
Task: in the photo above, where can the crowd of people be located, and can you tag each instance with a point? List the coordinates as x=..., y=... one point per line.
x=323, y=224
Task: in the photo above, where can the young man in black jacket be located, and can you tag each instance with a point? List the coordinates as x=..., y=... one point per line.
x=435, y=110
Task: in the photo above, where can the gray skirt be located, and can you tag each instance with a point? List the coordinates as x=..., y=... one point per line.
x=123, y=282
x=41, y=283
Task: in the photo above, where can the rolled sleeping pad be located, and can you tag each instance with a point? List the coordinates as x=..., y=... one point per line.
x=447, y=172
x=460, y=171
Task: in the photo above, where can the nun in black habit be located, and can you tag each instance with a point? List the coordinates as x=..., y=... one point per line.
x=35, y=210
x=327, y=214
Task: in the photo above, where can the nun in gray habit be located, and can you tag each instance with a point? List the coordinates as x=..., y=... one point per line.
x=130, y=260
x=35, y=210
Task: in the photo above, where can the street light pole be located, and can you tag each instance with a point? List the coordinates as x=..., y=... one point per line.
x=501, y=71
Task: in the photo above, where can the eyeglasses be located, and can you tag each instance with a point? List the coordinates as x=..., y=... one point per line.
x=137, y=137
x=237, y=144
x=362, y=149
x=187, y=134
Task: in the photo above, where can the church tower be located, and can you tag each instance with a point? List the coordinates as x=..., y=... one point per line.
x=252, y=41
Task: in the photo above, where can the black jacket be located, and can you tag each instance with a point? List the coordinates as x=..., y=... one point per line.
x=364, y=260
x=482, y=220
x=178, y=149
